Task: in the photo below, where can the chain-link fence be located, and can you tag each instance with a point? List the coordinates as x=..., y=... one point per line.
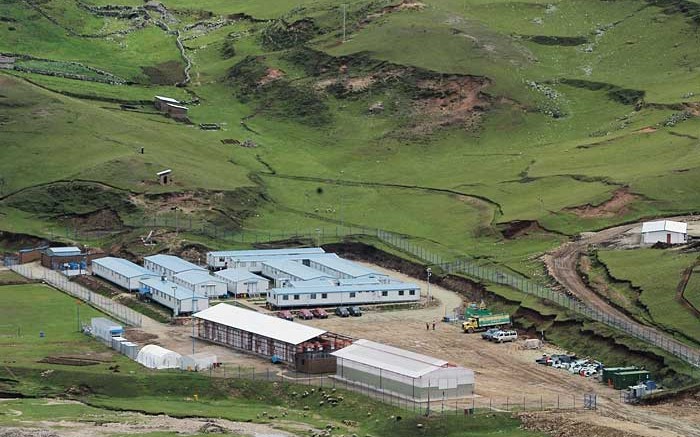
x=114, y=309
x=492, y=274
x=439, y=405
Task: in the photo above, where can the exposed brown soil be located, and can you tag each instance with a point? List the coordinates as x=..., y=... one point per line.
x=567, y=425
x=165, y=73
x=69, y=361
x=402, y=6
x=140, y=337
x=617, y=205
x=646, y=130
x=271, y=75
x=519, y=228
x=186, y=202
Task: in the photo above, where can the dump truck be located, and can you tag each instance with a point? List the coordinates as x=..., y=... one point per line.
x=481, y=323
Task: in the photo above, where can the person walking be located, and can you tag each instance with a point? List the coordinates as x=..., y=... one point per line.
x=427, y=326
x=433, y=325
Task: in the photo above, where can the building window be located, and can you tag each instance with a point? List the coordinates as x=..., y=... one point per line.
x=313, y=295
x=412, y=292
x=221, y=260
x=352, y=294
x=385, y=293
x=401, y=292
x=296, y=297
x=285, y=297
x=324, y=295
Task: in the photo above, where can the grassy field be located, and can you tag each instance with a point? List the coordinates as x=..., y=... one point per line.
x=491, y=113
x=657, y=274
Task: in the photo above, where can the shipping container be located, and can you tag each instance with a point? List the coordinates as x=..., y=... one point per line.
x=622, y=380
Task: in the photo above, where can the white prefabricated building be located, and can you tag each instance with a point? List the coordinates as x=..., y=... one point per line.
x=241, y=281
x=121, y=272
x=171, y=295
x=201, y=282
x=251, y=259
x=331, y=294
x=169, y=265
x=402, y=373
x=664, y=231
x=105, y=329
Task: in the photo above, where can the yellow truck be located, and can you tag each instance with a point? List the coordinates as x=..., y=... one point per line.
x=483, y=322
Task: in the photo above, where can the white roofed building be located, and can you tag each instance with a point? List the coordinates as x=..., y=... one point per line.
x=340, y=268
x=664, y=231
x=305, y=347
x=201, y=282
x=121, y=272
x=251, y=259
x=402, y=373
x=171, y=295
x=242, y=282
x=284, y=271
x=169, y=265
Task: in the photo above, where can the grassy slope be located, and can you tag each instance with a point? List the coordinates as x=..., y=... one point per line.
x=656, y=273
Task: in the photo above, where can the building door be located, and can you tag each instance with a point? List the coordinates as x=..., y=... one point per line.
x=668, y=238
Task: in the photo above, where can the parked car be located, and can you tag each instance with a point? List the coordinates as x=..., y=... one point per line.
x=285, y=314
x=355, y=311
x=504, y=336
x=486, y=335
x=305, y=314
x=342, y=312
x=319, y=313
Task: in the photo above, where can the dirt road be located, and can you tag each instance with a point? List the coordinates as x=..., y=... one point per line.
x=562, y=264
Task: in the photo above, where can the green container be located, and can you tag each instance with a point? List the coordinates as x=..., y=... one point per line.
x=608, y=371
x=493, y=320
x=622, y=380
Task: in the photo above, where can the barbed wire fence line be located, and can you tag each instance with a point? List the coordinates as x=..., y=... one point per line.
x=118, y=311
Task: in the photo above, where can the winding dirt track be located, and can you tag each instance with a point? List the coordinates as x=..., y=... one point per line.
x=562, y=265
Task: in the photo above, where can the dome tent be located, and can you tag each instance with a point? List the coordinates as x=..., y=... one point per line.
x=156, y=357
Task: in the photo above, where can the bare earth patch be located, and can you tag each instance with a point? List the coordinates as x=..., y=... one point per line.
x=271, y=75
x=646, y=130
x=616, y=206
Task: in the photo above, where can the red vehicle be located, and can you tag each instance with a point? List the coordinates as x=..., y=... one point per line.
x=305, y=314
x=319, y=313
x=285, y=314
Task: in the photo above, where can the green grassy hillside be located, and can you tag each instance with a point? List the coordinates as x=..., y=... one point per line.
x=448, y=121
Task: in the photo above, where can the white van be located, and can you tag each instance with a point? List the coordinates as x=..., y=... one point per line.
x=504, y=336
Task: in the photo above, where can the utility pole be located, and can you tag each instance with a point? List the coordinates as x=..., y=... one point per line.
x=194, y=301
x=345, y=6
x=430, y=273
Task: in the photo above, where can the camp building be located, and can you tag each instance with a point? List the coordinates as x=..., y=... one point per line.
x=402, y=373
x=176, y=297
x=343, y=292
x=251, y=259
x=121, y=272
x=201, y=282
x=169, y=265
x=303, y=347
x=340, y=268
x=242, y=282
x=284, y=271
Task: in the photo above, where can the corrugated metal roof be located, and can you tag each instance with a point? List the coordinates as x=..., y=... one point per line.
x=390, y=358
x=331, y=288
x=260, y=324
x=237, y=275
x=171, y=105
x=171, y=289
x=359, y=281
x=197, y=277
x=173, y=263
x=665, y=225
x=296, y=269
x=123, y=267
x=334, y=262
x=64, y=251
x=268, y=252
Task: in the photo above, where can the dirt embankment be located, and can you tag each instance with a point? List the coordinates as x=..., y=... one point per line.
x=618, y=205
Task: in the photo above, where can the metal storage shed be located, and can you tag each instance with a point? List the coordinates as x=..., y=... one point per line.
x=121, y=272
x=156, y=357
x=105, y=329
x=402, y=373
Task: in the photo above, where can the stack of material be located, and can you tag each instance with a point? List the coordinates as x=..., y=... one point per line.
x=198, y=362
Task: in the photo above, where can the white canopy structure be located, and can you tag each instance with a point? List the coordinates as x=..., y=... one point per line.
x=156, y=357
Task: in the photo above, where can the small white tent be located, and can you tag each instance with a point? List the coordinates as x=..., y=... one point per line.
x=156, y=357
